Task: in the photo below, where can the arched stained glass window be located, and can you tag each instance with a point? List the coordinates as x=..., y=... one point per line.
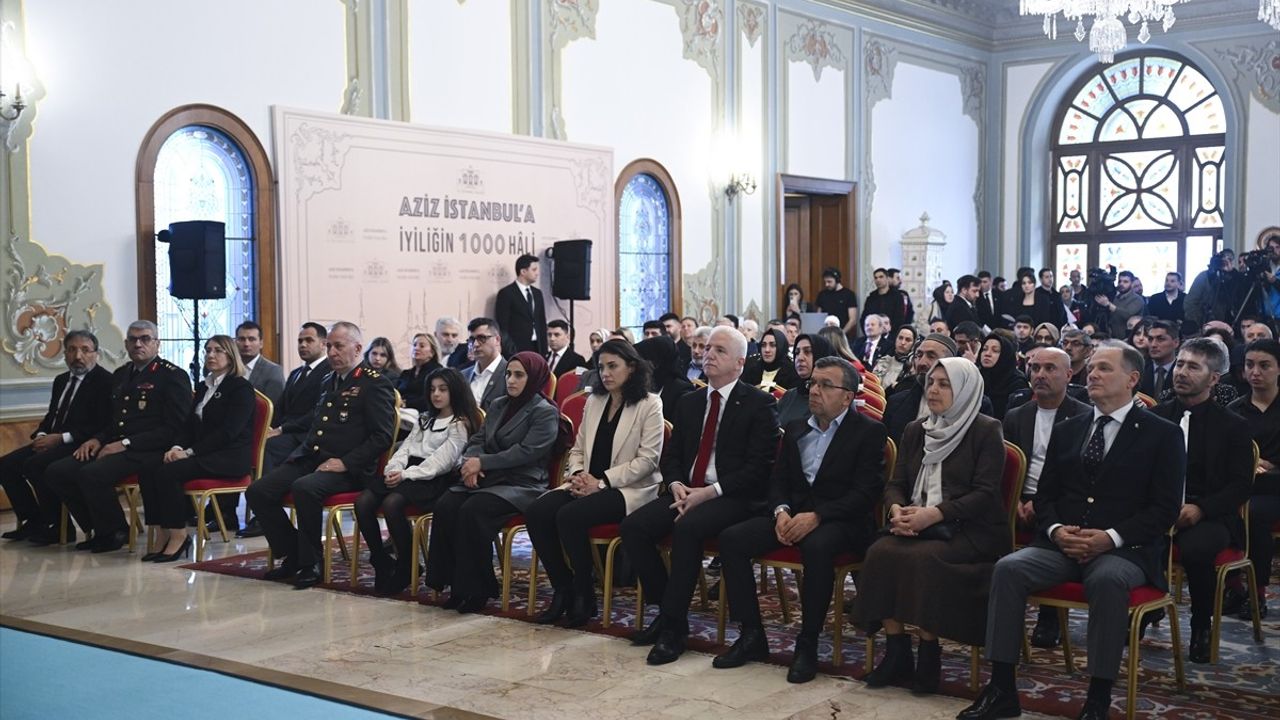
x=201, y=174
x=1138, y=163
x=648, y=244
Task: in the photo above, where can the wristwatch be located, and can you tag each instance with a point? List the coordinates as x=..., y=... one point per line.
x=602, y=485
x=124, y=442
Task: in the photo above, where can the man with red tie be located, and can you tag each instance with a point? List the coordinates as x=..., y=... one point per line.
x=715, y=475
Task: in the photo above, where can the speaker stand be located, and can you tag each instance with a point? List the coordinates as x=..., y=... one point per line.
x=195, y=341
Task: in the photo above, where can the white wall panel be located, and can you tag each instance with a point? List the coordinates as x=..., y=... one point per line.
x=1020, y=82
x=751, y=229
x=1262, y=165
x=815, y=122
x=459, y=68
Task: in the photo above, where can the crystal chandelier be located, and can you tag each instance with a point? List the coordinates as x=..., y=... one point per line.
x=1269, y=12
x=1107, y=35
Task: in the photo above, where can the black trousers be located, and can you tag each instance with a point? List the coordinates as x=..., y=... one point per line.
x=651, y=524
x=463, y=527
x=89, y=489
x=559, y=524
x=392, y=503
x=1198, y=545
x=22, y=476
x=818, y=550
x=163, y=498
x=277, y=450
x=265, y=496
x=1264, y=512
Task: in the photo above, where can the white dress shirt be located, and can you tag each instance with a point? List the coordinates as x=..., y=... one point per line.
x=711, y=479
x=481, y=379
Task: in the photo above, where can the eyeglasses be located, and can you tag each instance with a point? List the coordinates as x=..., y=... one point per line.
x=1072, y=343
x=479, y=339
x=138, y=339
x=825, y=385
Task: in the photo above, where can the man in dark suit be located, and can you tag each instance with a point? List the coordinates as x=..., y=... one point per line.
x=1219, y=478
x=1029, y=426
x=675, y=329
x=151, y=398
x=78, y=410
x=488, y=376
x=1108, y=493
x=822, y=496
x=1168, y=304
x=875, y=341
x=964, y=309
x=292, y=416
x=988, y=302
x=265, y=376
x=561, y=357
x=520, y=310
x=353, y=426
x=1162, y=351
x=715, y=470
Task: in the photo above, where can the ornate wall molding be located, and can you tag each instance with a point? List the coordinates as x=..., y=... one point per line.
x=973, y=91
x=878, y=63
x=814, y=43
x=701, y=22
x=356, y=99
x=751, y=19
x=1255, y=69
x=319, y=155
x=564, y=21
x=702, y=293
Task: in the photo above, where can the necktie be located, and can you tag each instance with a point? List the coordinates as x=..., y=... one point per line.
x=1097, y=447
x=708, y=442
x=302, y=374
x=528, y=297
x=1159, y=382
x=65, y=405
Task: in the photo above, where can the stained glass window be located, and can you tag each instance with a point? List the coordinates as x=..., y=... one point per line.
x=201, y=174
x=1141, y=143
x=644, y=252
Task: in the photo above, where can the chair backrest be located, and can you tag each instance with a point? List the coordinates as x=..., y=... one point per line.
x=774, y=390
x=1015, y=473
x=699, y=383
x=867, y=410
x=1244, y=507
x=549, y=388
x=567, y=386
x=890, y=464
x=263, y=410
x=391, y=446
x=573, y=407
x=1145, y=399
x=558, y=462
x=872, y=400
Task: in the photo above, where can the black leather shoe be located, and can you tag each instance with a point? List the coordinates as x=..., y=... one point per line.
x=649, y=635
x=560, y=602
x=928, y=673
x=896, y=666
x=1200, y=645
x=993, y=702
x=251, y=530
x=307, y=577
x=1150, y=619
x=384, y=569
x=22, y=532
x=1094, y=711
x=473, y=605
x=452, y=602
x=1233, y=601
x=1047, y=633
x=804, y=663
x=750, y=645
x=150, y=557
x=181, y=552
x=583, y=610
x=284, y=571
x=399, y=581
x=212, y=527
x=1246, y=612
x=667, y=649
x=111, y=542
x=43, y=536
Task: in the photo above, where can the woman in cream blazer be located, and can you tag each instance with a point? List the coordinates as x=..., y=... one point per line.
x=611, y=470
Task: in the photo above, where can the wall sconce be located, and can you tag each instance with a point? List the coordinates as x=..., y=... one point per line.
x=11, y=109
x=741, y=183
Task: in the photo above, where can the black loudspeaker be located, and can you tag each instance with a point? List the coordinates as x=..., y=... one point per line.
x=571, y=274
x=197, y=259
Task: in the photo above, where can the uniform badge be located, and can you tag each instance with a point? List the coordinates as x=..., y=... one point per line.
x=342, y=416
x=142, y=404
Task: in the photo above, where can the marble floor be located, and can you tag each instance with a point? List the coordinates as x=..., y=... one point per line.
x=396, y=656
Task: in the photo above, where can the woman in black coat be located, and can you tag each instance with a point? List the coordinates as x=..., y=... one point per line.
x=216, y=443
x=997, y=361
x=668, y=381
x=772, y=367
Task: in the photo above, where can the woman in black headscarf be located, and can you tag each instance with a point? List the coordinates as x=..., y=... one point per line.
x=668, y=382
x=772, y=367
x=1000, y=374
x=794, y=404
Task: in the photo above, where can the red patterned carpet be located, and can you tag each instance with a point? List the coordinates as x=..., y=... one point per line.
x=1245, y=685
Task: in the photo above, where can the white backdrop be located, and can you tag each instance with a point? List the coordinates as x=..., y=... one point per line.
x=391, y=225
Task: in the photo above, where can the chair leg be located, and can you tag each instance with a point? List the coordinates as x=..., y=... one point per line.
x=508, y=536
x=764, y=579
x=327, y=562
x=782, y=595
x=1026, y=647
x=1253, y=602
x=1175, y=632
x=533, y=581
x=837, y=620
x=354, y=564
x=336, y=514
x=134, y=521
x=606, y=579
x=1135, y=652
x=200, y=531
x=974, y=671
x=722, y=612
x=217, y=514
x=870, y=663
x=1067, y=656
x=639, y=621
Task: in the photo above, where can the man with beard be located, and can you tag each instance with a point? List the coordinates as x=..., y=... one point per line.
x=908, y=405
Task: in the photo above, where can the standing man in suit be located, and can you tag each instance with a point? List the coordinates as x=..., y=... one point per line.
x=561, y=357
x=488, y=376
x=453, y=348
x=520, y=310
x=1219, y=478
x=265, y=376
x=965, y=308
x=353, y=426
x=1029, y=426
x=822, y=498
x=989, y=301
x=675, y=329
x=716, y=471
x=151, y=398
x=292, y=416
x=1162, y=351
x=78, y=410
x=1109, y=492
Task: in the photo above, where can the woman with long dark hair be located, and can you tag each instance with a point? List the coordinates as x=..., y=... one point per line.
x=666, y=380
x=611, y=470
x=418, y=473
x=381, y=356
x=771, y=368
x=793, y=302
x=504, y=470
x=1025, y=300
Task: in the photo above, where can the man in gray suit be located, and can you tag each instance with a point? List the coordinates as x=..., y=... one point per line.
x=265, y=376
x=488, y=376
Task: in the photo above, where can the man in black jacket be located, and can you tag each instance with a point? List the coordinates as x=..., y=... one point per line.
x=716, y=470
x=1108, y=494
x=353, y=426
x=520, y=310
x=822, y=497
x=964, y=308
x=78, y=410
x=885, y=300
x=150, y=401
x=1168, y=304
x=561, y=357
x=1029, y=426
x=1219, y=478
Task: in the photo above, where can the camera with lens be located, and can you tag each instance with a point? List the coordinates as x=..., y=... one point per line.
x=1101, y=282
x=1255, y=263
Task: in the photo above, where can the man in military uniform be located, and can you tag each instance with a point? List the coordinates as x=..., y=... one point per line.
x=354, y=425
x=150, y=401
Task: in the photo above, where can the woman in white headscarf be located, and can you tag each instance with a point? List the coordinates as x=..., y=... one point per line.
x=947, y=527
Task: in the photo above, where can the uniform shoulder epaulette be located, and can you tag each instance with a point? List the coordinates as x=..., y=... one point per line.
x=374, y=373
x=169, y=366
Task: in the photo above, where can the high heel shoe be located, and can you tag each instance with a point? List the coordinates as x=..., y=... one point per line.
x=560, y=603
x=181, y=552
